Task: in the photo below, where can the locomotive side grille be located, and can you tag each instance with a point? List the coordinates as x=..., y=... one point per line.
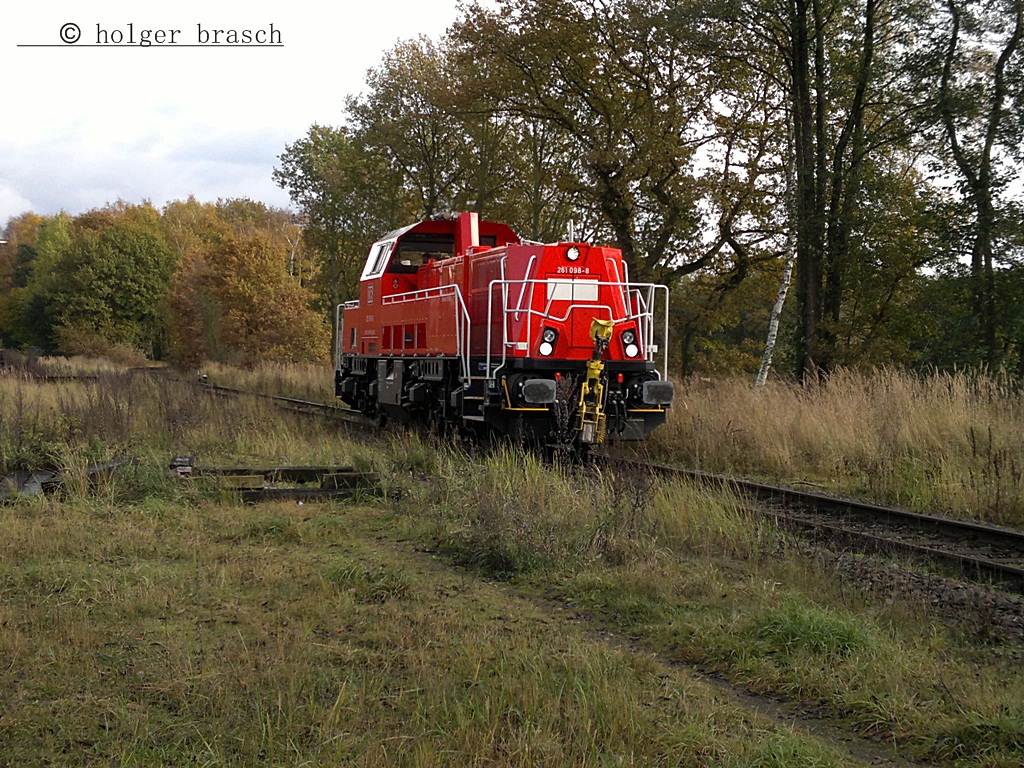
x=431, y=370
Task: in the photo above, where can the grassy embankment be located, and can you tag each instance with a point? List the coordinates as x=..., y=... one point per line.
x=943, y=443
x=149, y=624
x=314, y=383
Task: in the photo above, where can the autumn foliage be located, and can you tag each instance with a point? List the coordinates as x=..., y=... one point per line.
x=235, y=304
x=194, y=282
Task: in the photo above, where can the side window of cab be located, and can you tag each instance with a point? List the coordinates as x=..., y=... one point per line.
x=377, y=259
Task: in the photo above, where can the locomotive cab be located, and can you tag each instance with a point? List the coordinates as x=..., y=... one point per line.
x=395, y=262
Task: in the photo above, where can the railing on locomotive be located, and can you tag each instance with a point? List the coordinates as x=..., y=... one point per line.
x=644, y=316
x=522, y=293
x=339, y=329
x=462, y=329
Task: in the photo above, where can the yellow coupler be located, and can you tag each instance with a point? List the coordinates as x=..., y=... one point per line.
x=592, y=420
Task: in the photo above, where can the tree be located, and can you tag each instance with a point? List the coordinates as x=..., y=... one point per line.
x=234, y=297
x=265, y=314
x=348, y=197
x=708, y=164
x=112, y=278
x=848, y=104
x=282, y=227
x=28, y=317
x=17, y=249
x=404, y=117
x=973, y=90
x=100, y=276
x=604, y=75
x=428, y=114
x=671, y=146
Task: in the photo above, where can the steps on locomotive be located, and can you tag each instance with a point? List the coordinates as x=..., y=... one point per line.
x=473, y=401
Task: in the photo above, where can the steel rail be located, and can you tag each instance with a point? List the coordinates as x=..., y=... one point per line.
x=294, y=404
x=849, y=520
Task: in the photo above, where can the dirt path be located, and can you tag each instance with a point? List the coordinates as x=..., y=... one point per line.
x=802, y=717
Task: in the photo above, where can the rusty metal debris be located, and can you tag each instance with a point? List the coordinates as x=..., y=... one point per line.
x=32, y=483
x=24, y=483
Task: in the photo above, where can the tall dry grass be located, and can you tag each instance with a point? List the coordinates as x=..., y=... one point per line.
x=509, y=514
x=304, y=381
x=949, y=442
x=123, y=413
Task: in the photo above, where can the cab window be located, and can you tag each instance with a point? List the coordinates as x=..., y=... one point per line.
x=378, y=258
x=415, y=250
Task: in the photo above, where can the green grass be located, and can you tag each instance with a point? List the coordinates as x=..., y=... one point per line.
x=145, y=622
x=804, y=627
x=219, y=634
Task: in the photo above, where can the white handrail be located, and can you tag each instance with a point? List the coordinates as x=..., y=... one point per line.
x=463, y=329
x=645, y=293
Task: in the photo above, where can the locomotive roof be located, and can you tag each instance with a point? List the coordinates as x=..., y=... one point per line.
x=503, y=232
x=434, y=239
x=396, y=233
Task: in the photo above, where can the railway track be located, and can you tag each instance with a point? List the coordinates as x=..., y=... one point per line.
x=976, y=551
x=294, y=404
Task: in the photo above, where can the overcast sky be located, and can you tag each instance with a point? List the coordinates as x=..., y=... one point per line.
x=83, y=125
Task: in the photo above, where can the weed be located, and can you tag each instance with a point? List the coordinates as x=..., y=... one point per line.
x=784, y=750
x=377, y=585
x=992, y=736
x=624, y=529
x=274, y=528
x=794, y=626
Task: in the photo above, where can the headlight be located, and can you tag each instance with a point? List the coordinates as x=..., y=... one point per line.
x=573, y=253
x=548, y=339
x=632, y=350
x=629, y=337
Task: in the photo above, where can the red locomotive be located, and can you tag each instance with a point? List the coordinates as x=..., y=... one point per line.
x=459, y=323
